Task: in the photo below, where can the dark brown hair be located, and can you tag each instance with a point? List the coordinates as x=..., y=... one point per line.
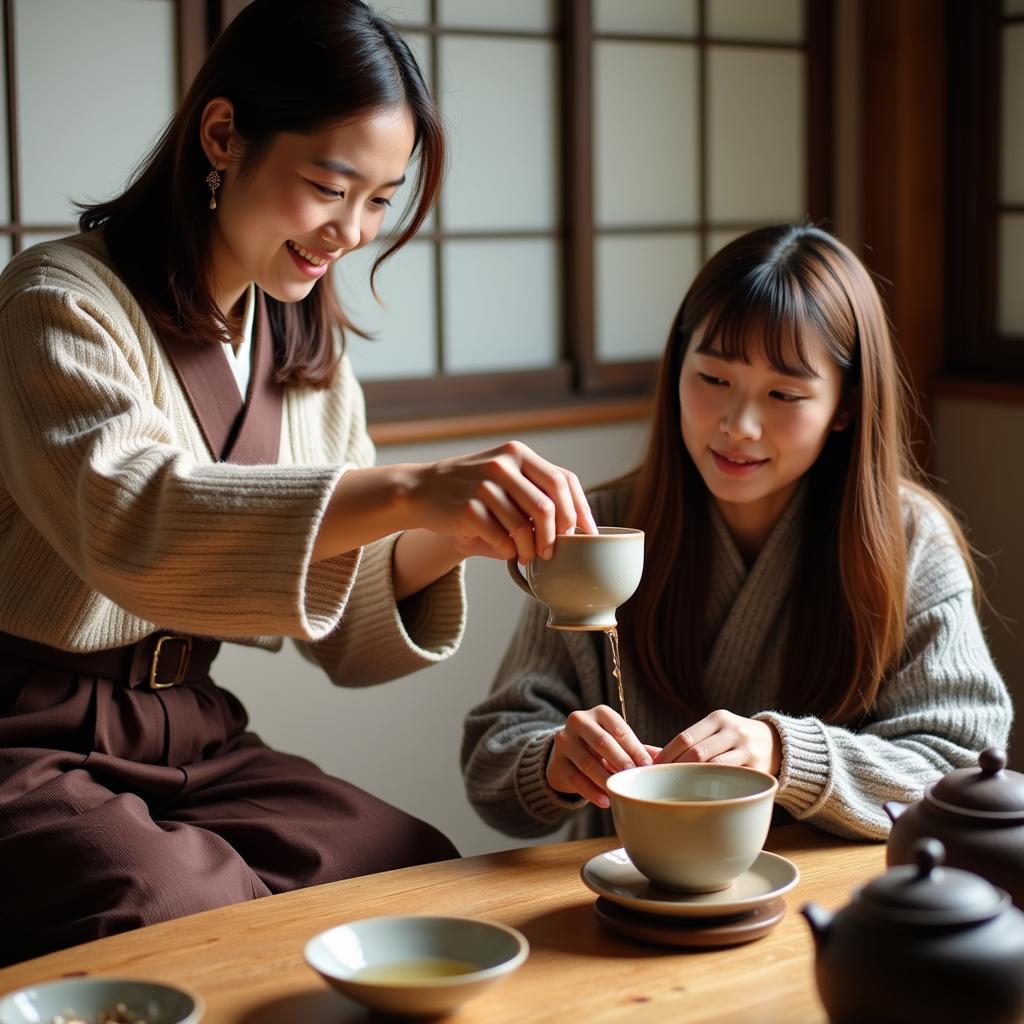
x=777, y=287
x=287, y=66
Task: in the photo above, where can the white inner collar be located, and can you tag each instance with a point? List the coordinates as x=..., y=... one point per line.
x=240, y=358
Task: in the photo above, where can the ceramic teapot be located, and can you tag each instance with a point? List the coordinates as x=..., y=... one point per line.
x=978, y=814
x=922, y=944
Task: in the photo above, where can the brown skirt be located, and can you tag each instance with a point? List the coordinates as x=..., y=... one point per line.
x=121, y=807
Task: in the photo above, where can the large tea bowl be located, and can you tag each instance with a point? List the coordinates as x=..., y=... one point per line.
x=692, y=827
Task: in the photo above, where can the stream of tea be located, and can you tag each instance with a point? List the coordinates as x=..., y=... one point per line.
x=613, y=641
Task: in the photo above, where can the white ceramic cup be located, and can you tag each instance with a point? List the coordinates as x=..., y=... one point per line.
x=692, y=827
x=587, y=578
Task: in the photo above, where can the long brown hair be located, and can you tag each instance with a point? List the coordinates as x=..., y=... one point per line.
x=287, y=66
x=779, y=285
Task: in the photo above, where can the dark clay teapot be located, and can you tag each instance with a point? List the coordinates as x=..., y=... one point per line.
x=922, y=944
x=978, y=814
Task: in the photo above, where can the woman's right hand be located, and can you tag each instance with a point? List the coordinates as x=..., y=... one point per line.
x=504, y=502
x=591, y=747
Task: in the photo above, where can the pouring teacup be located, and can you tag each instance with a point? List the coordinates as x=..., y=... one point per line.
x=587, y=578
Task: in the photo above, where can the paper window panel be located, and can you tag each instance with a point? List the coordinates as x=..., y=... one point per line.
x=756, y=135
x=646, y=17
x=419, y=43
x=420, y=46
x=403, y=12
x=499, y=97
x=501, y=305
x=774, y=21
x=91, y=101
x=641, y=281
x=522, y=15
x=1012, y=142
x=719, y=239
x=31, y=238
x=404, y=329
x=1011, y=274
x=1011, y=7
x=645, y=134
x=6, y=249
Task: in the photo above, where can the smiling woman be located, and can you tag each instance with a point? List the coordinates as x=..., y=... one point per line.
x=749, y=417
x=271, y=138
x=184, y=461
x=310, y=199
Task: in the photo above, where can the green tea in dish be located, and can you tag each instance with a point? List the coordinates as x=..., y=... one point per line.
x=408, y=972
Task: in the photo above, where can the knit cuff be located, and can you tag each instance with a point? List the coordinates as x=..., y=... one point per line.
x=435, y=618
x=430, y=627
x=535, y=794
x=324, y=591
x=805, y=771
x=374, y=642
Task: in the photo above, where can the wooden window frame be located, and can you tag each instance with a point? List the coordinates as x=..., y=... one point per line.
x=975, y=348
x=579, y=378
x=195, y=21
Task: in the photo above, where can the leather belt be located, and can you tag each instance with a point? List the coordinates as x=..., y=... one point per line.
x=158, y=661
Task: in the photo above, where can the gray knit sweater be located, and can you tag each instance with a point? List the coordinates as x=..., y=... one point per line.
x=942, y=703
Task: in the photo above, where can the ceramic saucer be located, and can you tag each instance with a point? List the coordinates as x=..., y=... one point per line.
x=613, y=876
x=691, y=931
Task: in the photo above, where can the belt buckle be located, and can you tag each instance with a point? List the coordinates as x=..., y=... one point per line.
x=179, y=675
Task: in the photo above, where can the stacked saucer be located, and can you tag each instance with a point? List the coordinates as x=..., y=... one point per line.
x=634, y=907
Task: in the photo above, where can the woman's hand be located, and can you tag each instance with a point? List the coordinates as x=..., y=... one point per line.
x=593, y=745
x=725, y=738
x=504, y=502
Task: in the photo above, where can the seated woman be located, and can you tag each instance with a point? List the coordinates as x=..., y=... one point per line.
x=808, y=606
x=184, y=461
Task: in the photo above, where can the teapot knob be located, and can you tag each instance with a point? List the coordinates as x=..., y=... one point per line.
x=992, y=760
x=928, y=854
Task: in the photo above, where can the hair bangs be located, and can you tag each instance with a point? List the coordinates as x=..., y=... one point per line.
x=774, y=315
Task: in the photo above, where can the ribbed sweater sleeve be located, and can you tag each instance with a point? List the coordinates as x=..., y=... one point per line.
x=544, y=676
x=90, y=460
x=940, y=705
x=379, y=638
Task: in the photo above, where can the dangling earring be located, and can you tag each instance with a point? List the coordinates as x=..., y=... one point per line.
x=213, y=180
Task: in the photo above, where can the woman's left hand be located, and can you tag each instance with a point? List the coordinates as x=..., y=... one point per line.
x=725, y=738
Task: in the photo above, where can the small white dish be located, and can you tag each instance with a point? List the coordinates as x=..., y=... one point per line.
x=152, y=1001
x=613, y=876
x=389, y=963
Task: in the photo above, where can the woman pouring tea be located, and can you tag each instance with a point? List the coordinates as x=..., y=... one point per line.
x=807, y=608
x=185, y=461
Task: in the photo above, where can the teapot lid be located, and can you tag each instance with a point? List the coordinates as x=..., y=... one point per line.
x=989, y=789
x=926, y=893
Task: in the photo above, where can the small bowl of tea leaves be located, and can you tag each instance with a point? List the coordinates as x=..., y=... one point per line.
x=420, y=966
x=101, y=1001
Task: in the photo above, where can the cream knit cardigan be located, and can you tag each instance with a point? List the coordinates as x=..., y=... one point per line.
x=942, y=703
x=116, y=520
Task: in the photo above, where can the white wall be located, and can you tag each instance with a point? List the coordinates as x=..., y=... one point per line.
x=978, y=458
x=401, y=740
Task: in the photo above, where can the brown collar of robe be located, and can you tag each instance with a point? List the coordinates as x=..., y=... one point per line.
x=246, y=432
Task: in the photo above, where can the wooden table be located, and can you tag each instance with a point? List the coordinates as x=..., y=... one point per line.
x=246, y=960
